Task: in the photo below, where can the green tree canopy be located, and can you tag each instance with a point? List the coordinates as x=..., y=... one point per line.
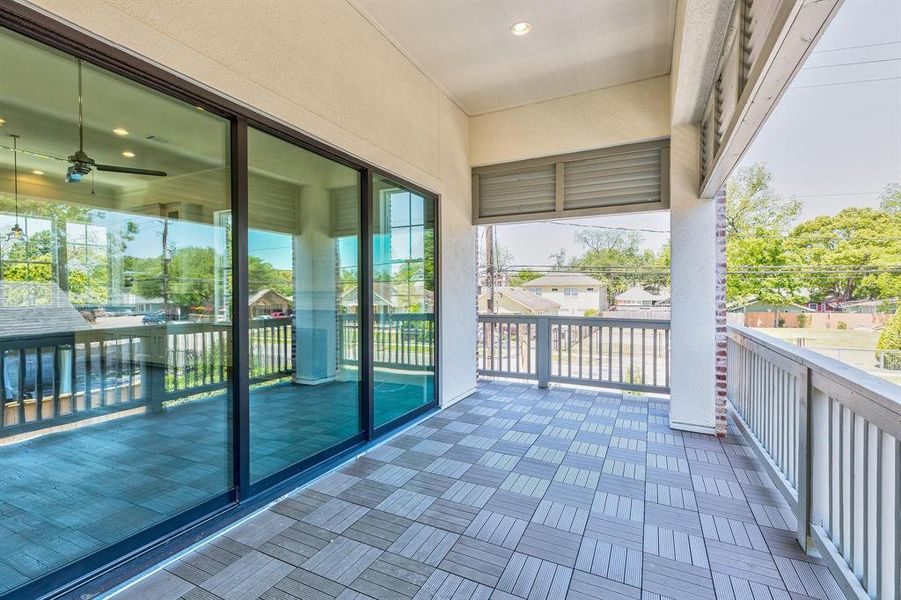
x=890, y=200
x=853, y=247
x=523, y=276
x=191, y=277
x=757, y=220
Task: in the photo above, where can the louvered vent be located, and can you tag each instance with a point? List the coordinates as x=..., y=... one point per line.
x=520, y=192
x=628, y=178
x=577, y=184
x=345, y=207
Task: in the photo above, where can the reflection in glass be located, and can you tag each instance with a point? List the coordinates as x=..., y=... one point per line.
x=114, y=352
x=302, y=263
x=403, y=298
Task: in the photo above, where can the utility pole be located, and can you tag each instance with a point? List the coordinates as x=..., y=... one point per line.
x=489, y=260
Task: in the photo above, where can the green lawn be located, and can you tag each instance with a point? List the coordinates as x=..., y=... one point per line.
x=854, y=347
x=826, y=338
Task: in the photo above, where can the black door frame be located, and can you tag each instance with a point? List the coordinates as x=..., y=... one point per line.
x=128, y=557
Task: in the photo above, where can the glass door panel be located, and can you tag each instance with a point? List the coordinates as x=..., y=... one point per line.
x=403, y=300
x=303, y=276
x=114, y=357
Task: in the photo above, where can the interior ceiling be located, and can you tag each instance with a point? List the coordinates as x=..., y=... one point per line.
x=574, y=46
x=39, y=103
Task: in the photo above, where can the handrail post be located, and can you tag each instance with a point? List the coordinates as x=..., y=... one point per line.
x=543, y=351
x=805, y=459
x=156, y=363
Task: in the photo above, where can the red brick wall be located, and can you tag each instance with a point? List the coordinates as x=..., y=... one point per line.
x=720, y=200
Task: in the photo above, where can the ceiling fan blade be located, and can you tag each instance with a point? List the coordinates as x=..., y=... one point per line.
x=129, y=170
x=30, y=153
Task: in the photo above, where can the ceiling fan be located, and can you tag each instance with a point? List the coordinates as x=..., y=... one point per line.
x=80, y=164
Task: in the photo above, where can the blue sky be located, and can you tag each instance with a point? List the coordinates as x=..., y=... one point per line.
x=833, y=141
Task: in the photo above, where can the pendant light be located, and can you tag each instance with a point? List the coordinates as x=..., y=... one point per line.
x=16, y=233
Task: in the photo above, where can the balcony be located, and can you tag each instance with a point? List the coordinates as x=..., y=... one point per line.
x=240, y=354
x=519, y=492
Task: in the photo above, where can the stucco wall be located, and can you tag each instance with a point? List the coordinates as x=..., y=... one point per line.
x=617, y=115
x=323, y=68
x=693, y=271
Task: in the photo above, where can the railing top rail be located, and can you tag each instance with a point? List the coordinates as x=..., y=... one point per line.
x=566, y=320
x=508, y=318
x=612, y=322
x=875, y=389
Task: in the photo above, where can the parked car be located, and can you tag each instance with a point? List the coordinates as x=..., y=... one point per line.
x=158, y=317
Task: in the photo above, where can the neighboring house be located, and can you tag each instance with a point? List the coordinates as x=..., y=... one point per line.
x=517, y=301
x=574, y=292
x=266, y=302
x=388, y=298
x=769, y=307
x=32, y=309
x=868, y=307
x=641, y=297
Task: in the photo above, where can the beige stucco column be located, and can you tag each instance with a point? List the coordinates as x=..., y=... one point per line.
x=693, y=270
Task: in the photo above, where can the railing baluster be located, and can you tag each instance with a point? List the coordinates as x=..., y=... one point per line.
x=666, y=357
x=580, y=351
x=590, y=351
x=39, y=384
x=559, y=338
x=643, y=353
x=897, y=569
x=73, y=355
x=866, y=503
x=2, y=388
x=831, y=475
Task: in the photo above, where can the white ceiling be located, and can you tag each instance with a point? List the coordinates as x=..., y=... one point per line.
x=575, y=46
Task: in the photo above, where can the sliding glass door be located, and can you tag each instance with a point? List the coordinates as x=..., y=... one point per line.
x=303, y=245
x=403, y=300
x=115, y=371
x=196, y=304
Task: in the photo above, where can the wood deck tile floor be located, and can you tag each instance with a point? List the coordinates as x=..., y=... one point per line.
x=519, y=493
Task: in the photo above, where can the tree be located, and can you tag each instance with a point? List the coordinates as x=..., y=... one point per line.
x=853, y=249
x=890, y=200
x=560, y=259
x=523, y=276
x=757, y=220
x=890, y=339
x=610, y=240
x=752, y=206
x=612, y=251
x=191, y=276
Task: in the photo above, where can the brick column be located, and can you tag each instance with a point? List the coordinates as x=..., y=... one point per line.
x=720, y=311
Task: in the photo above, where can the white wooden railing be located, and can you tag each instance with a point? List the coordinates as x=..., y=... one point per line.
x=830, y=435
x=626, y=354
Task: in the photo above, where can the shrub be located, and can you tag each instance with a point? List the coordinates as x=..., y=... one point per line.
x=841, y=326
x=780, y=322
x=802, y=320
x=890, y=339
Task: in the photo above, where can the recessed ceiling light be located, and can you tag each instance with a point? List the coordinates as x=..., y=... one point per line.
x=521, y=28
x=128, y=154
x=120, y=131
x=38, y=172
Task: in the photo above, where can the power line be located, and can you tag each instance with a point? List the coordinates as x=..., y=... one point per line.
x=826, y=195
x=798, y=87
x=848, y=64
x=733, y=235
x=856, y=47
x=606, y=227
